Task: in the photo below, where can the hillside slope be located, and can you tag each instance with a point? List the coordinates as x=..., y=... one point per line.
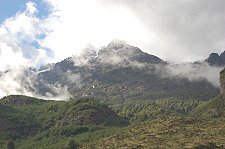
x=169, y=132
x=138, y=111
x=22, y=116
x=16, y=123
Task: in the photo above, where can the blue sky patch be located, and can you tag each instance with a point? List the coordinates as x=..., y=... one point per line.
x=9, y=8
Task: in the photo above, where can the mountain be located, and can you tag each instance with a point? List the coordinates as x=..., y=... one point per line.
x=138, y=103
x=215, y=59
x=116, y=73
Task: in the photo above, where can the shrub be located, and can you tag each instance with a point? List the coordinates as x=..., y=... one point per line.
x=72, y=144
x=10, y=145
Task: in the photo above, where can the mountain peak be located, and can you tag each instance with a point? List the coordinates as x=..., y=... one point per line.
x=215, y=59
x=89, y=52
x=117, y=44
x=222, y=57
x=119, y=52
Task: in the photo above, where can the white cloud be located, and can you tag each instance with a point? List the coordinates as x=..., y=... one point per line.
x=181, y=31
x=18, y=36
x=193, y=72
x=11, y=82
x=79, y=23
x=31, y=8
x=184, y=30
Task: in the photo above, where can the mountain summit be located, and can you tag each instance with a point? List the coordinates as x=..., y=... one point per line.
x=215, y=59
x=117, y=52
x=120, y=52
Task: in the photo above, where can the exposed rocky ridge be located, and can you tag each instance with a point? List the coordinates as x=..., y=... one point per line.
x=222, y=83
x=215, y=59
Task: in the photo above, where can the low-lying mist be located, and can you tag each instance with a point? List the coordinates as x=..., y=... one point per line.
x=22, y=81
x=192, y=72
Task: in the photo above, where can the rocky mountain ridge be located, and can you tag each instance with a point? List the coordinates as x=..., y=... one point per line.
x=215, y=59
x=120, y=72
x=222, y=83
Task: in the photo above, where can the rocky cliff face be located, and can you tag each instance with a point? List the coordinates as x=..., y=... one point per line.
x=222, y=82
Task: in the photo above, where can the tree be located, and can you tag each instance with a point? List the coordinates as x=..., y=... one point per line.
x=72, y=144
x=208, y=145
x=10, y=145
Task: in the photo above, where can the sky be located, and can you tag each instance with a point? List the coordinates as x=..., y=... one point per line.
x=37, y=32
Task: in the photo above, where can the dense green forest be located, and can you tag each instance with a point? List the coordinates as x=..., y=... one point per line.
x=26, y=117
x=178, y=123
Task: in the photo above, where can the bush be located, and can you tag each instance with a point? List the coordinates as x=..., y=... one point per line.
x=10, y=145
x=209, y=145
x=72, y=144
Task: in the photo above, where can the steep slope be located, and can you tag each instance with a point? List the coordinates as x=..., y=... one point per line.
x=222, y=83
x=119, y=72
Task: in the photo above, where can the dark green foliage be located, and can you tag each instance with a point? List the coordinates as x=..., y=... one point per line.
x=58, y=137
x=208, y=145
x=10, y=145
x=16, y=123
x=23, y=117
x=72, y=144
x=142, y=110
x=92, y=124
x=79, y=112
x=212, y=108
x=19, y=100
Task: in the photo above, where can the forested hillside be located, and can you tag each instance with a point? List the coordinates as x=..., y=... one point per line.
x=26, y=117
